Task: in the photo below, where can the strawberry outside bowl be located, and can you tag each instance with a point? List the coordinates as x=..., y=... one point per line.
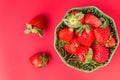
x=70, y=59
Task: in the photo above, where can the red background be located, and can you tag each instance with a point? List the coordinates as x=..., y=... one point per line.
x=16, y=47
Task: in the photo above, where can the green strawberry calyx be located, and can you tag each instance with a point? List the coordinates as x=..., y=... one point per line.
x=34, y=29
x=83, y=27
x=62, y=43
x=72, y=20
x=105, y=23
x=45, y=58
x=89, y=56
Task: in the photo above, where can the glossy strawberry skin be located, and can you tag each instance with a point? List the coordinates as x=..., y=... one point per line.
x=101, y=35
x=38, y=21
x=86, y=38
x=35, y=60
x=71, y=48
x=100, y=53
x=92, y=20
x=81, y=51
x=111, y=42
x=66, y=34
x=81, y=57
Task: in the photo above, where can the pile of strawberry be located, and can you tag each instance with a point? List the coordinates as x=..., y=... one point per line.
x=87, y=37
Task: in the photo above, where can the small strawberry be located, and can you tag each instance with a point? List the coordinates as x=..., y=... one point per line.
x=81, y=52
x=92, y=20
x=71, y=48
x=74, y=19
x=100, y=53
x=111, y=42
x=36, y=25
x=102, y=35
x=66, y=34
x=39, y=60
x=85, y=35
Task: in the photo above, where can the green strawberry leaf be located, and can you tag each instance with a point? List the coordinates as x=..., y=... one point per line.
x=72, y=20
x=82, y=28
x=27, y=31
x=87, y=28
x=29, y=26
x=62, y=43
x=79, y=15
x=45, y=59
x=95, y=42
x=40, y=57
x=102, y=19
x=89, y=56
x=105, y=24
x=40, y=32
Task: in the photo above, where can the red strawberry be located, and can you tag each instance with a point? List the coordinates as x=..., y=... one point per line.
x=71, y=48
x=86, y=38
x=81, y=20
x=81, y=51
x=92, y=20
x=100, y=53
x=66, y=34
x=111, y=42
x=74, y=12
x=39, y=60
x=81, y=57
x=102, y=35
x=36, y=25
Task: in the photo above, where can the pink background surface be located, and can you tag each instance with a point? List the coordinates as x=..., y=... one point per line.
x=16, y=47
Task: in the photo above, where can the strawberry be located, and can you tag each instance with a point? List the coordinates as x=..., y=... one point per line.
x=36, y=25
x=92, y=20
x=100, y=53
x=74, y=12
x=82, y=20
x=39, y=60
x=81, y=57
x=71, y=48
x=81, y=51
x=102, y=35
x=86, y=37
x=66, y=34
x=111, y=42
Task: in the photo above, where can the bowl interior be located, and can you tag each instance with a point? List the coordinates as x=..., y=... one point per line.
x=70, y=59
